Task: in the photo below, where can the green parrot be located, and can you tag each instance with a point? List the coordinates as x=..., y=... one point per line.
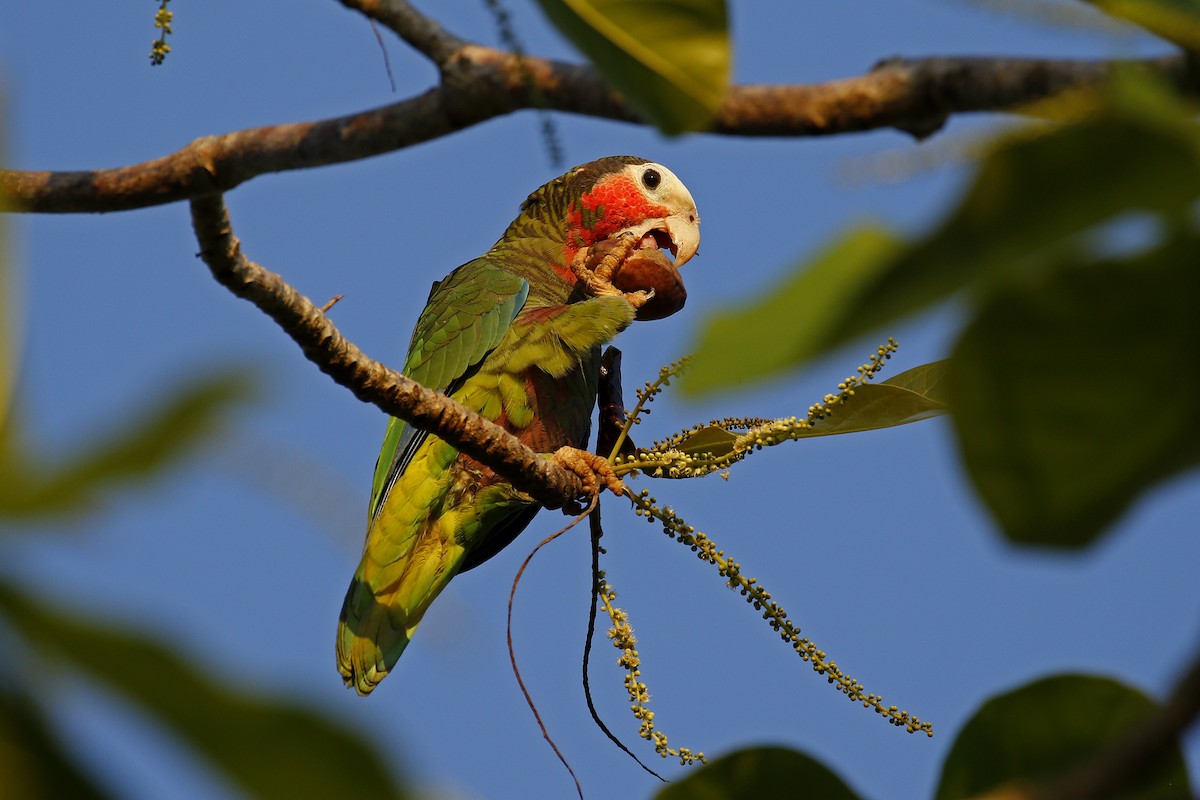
x=514, y=335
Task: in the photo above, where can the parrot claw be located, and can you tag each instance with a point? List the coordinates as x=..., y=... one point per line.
x=598, y=280
x=595, y=471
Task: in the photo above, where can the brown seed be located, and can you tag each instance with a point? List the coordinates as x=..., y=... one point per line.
x=651, y=269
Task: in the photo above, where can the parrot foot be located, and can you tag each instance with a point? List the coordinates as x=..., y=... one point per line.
x=595, y=471
x=598, y=280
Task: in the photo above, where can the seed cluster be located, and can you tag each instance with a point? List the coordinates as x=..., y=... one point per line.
x=162, y=21
x=621, y=634
x=716, y=445
x=704, y=548
x=712, y=447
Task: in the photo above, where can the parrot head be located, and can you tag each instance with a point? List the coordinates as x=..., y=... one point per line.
x=621, y=196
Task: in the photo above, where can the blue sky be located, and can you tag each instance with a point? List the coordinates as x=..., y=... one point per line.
x=874, y=543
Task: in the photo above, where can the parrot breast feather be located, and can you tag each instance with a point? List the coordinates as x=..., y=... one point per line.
x=467, y=315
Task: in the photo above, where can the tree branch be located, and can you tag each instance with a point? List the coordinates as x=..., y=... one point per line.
x=1136, y=754
x=480, y=83
x=369, y=380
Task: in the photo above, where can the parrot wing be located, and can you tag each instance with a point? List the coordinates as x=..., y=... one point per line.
x=466, y=316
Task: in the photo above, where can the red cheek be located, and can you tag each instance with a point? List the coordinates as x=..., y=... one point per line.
x=613, y=204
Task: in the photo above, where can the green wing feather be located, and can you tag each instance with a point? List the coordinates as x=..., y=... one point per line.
x=467, y=315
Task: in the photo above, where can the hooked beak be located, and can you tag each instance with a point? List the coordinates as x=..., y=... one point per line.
x=678, y=233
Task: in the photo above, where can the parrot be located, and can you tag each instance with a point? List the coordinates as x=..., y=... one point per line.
x=514, y=335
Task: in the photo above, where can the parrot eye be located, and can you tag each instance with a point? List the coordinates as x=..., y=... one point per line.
x=651, y=178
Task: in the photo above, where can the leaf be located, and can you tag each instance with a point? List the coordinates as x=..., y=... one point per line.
x=34, y=765
x=1074, y=396
x=669, y=58
x=927, y=380
x=1046, y=727
x=270, y=748
x=1174, y=20
x=8, y=321
x=711, y=439
x=885, y=405
x=161, y=434
x=785, y=328
x=759, y=772
x=911, y=396
x=1032, y=195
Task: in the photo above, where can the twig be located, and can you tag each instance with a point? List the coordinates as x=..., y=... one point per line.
x=597, y=532
x=512, y=655
x=611, y=406
x=424, y=34
x=387, y=61
x=369, y=380
x=612, y=420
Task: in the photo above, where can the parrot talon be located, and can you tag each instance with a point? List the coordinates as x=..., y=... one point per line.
x=595, y=471
x=599, y=280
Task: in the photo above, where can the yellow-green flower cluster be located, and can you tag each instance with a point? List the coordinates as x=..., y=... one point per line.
x=715, y=446
x=704, y=548
x=645, y=396
x=162, y=21
x=621, y=634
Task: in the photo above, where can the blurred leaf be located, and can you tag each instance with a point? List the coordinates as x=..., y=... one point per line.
x=271, y=748
x=759, y=772
x=669, y=58
x=1137, y=149
x=1074, y=396
x=784, y=328
x=8, y=317
x=1174, y=20
x=1048, y=726
x=33, y=765
x=160, y=435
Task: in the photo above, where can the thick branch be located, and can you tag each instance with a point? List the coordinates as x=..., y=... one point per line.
x=369, y=380
x=479, y=83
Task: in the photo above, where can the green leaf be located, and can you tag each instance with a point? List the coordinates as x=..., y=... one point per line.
x=270, y=748
x=1074, y=396
x=669, y=58
x=34, y=765
x=927, y=380
x=785, y=328
x=1174, y=20
x=710, y=439
x=1134, y=148
x=1040, y=730
x=888, y=404
x=763, y=772
x=160, y=435
x=908, y=397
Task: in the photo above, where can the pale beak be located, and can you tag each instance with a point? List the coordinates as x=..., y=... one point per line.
x=679, y=233
x=684, y=230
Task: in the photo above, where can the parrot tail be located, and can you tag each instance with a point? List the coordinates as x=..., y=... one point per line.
x=369, y=639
